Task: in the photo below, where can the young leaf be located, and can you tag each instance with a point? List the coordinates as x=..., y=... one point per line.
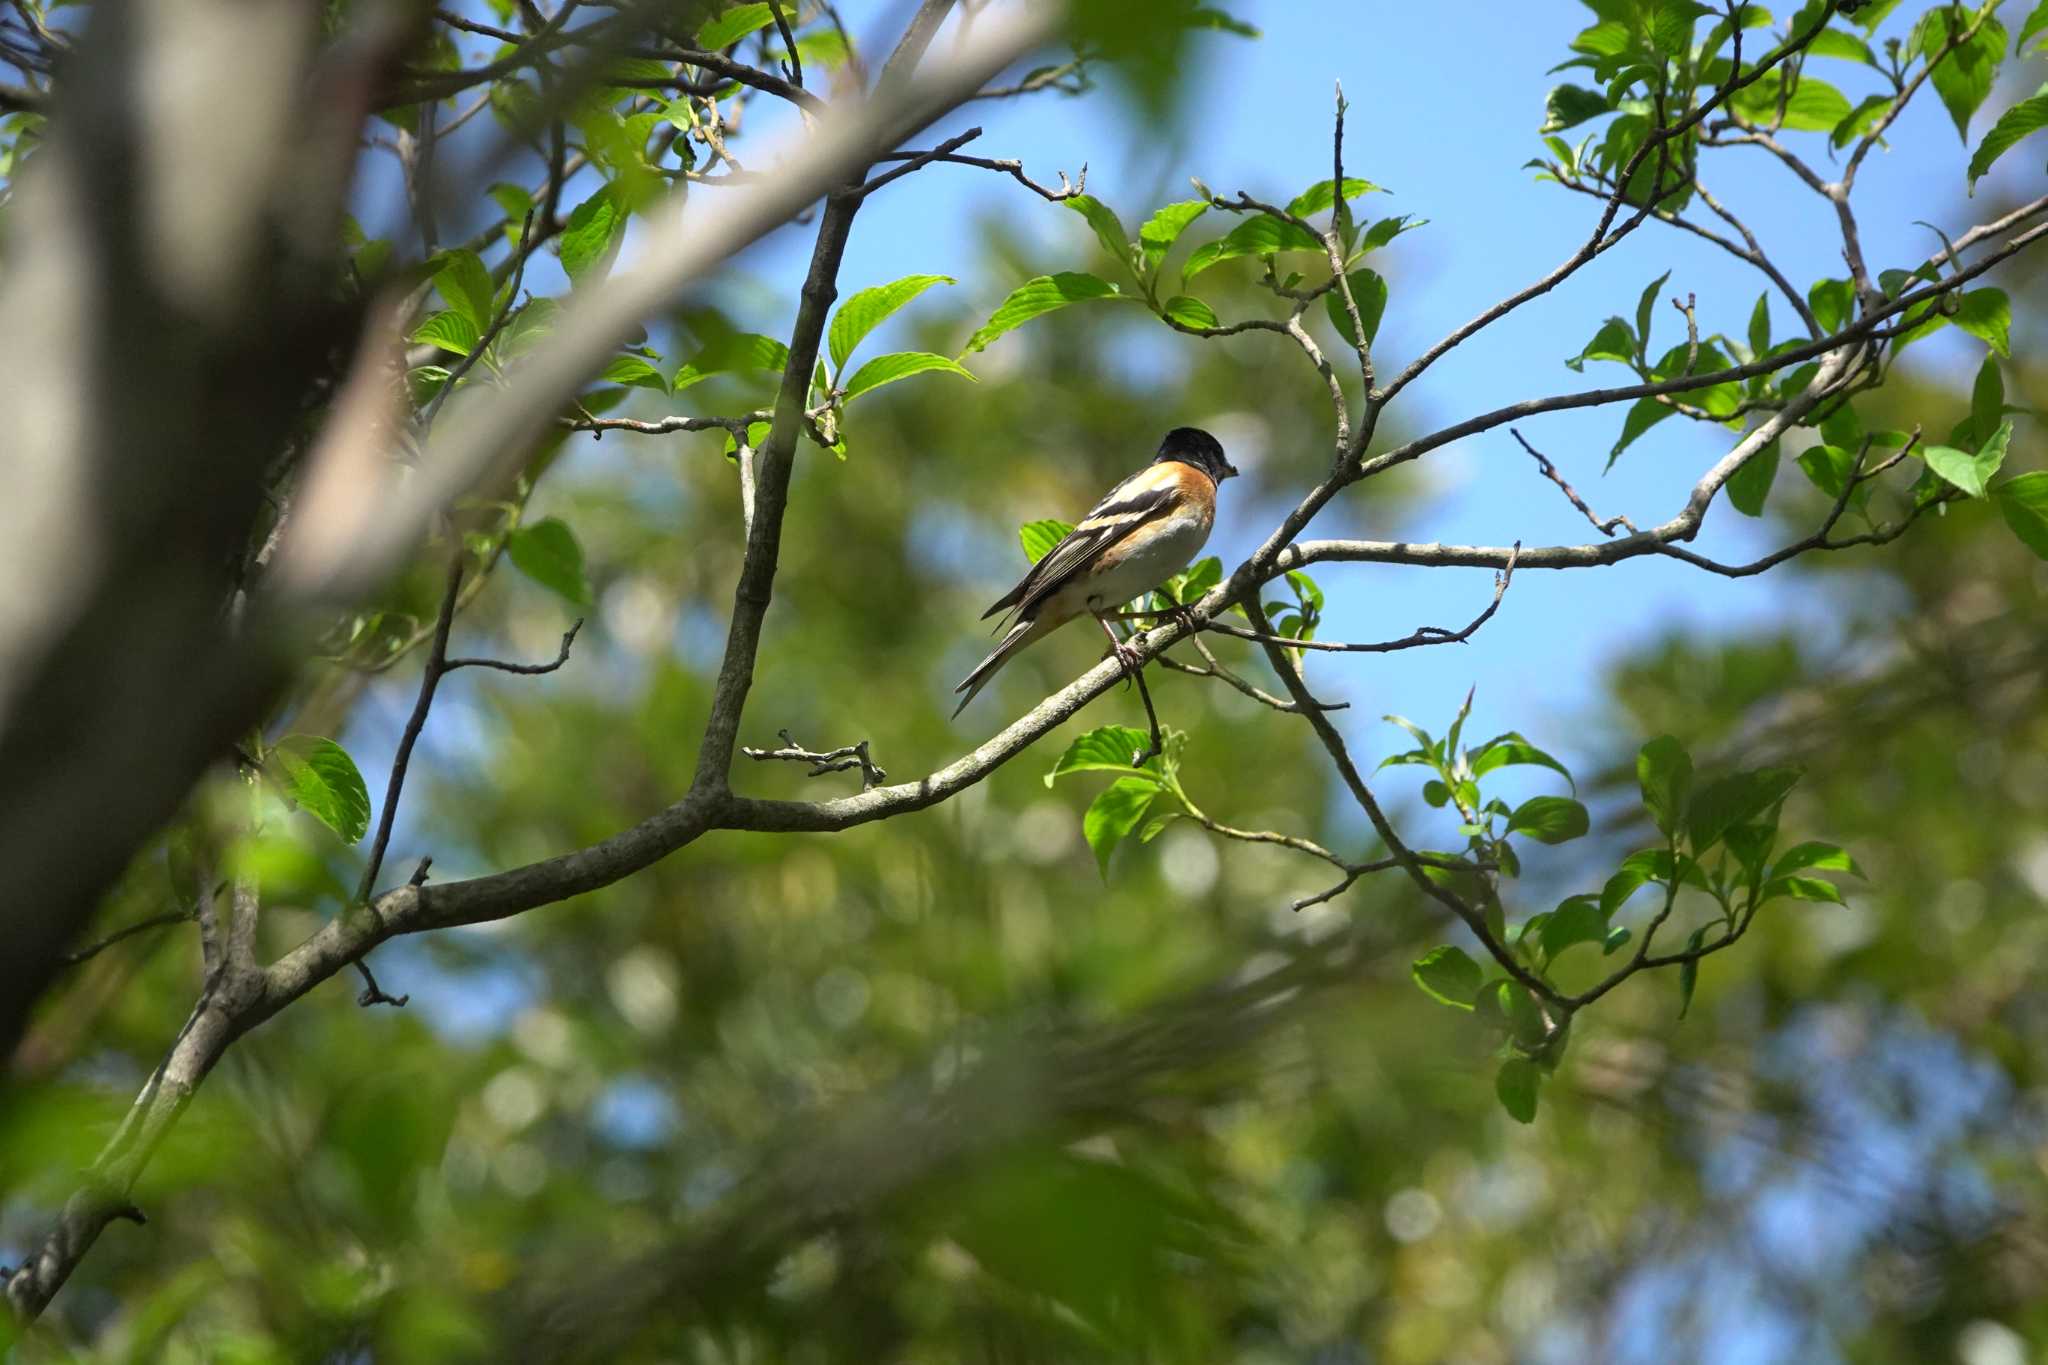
x=1109, y=229
x=1642, y=415
x=1369, y=292
x=1323, y=195
x=1164, y=228
x=1751, y=483
x=1034, y=298
x=1801, y=889
x=1833, y=303
x=1189, y=311
x=451, y=331
x=1987, y=400
x=1734, y=800
x=322, y=779
x=633, y=372
x=1664, y=769
x=1515, y=1088
x=869, y=308
x=595, y=228
x=733, y=25
x=1986, y=314
x=1510, y=750
x=1387, y=229
x=1967, y=471
x=1449, y=975
x=1963, y=77
x=1549, y=819
x=1116, y=810
x=737, y=353
x=1108, y=749
x=887, y=369
x=2023, y=502
x=547, y=552
x=1818, y=856
x=1260, y=236
x=1614, y=341
x=1646, y=307
x=2028, y=116
x=1039, y=537
x=1760, y=326
x=1576, y=921
x=1567, y=106
x=1689, y=970
x=465, y=286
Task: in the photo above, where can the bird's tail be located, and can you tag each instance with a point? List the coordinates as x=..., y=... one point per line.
x=1021, y=634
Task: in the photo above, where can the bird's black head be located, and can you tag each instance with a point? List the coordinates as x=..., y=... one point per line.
x=1193, y=446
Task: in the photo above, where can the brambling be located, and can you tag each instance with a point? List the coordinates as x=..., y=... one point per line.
x=1147, y=529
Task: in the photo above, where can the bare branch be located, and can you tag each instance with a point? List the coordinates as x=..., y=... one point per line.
x=1013, y=169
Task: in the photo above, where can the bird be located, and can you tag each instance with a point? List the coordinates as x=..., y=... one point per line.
x=1145, y=530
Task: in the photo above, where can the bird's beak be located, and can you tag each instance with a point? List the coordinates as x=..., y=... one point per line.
x=1229, y=470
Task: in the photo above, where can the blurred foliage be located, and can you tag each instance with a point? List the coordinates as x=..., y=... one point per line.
x=944, y=1088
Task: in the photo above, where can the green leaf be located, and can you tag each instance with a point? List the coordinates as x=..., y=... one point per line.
x=1116, y=810
x=465, y=286
x=633, y=372
x=1387, y=229
x=1515, y=1087
x=869, y=308
x=546, y=551
x=887, y=369
x=1664, y=769
x=1644, y=414
x=1751, y=483
x=1833, y=42
x=1369, y=292
x=1109, y=229
x=1646, y=305
x=1813, y=107
x=424, y=381
x=1567, y=106
x=595, y=228
x=1689, y=970
x=1818, y=856
x=2028, y=116
x=1987, y=398
x=1260, y=236
x=1734, y=800
x=1189, y=311
x=1510, y=750
x=1449, y=975
x=451, y=331
x=1039, y=537
x=1164, y=228
x=1108, y=749
x=1986, y=314
x=1549, y=819
x=1860, y=120
x=2037, y=22
x=1828, y=466
x=322, y=780
x=1971, y=472
x=1201, y=576
x=738, y=352
x=1614, y=341
x=1323, y=195
x=2023, y=502
x=1833, y=303
x=1964, y=77
x=1576, y=921
x=733, y=25
x=1801, y=889
x=1034, y=298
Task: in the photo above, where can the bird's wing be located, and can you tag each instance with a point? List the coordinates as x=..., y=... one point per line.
x=1145, y=495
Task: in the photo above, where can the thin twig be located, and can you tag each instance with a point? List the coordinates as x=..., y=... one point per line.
x=169, y=917
x=918, y=160
x=1425, y=635
x=824, y=761
x=1605, y=528
x=1012, y=168
x=527, y=670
